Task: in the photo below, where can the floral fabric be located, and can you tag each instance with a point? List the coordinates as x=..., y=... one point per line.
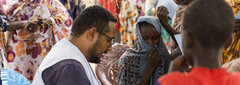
x=233, y=51
x=11, y=77
x=74, y=7
x=130, y=10
x=25, y=50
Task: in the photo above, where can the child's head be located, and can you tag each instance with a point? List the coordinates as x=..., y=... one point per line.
x=149, y=33
x=207, y=25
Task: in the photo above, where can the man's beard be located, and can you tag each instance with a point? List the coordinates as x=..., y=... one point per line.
x=93, y=51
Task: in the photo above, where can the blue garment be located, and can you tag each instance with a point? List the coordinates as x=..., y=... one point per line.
x=133, y=62
x=238, y=15
x=11, y=77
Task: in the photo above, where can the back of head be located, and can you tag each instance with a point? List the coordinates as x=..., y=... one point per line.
x=94, y=16
x=210, y=21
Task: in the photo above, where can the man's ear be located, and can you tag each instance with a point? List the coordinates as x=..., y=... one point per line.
x=92, y=34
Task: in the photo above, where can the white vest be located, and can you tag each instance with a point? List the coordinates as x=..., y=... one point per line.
x=63, y=50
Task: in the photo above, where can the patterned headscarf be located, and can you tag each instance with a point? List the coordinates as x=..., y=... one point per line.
x=134, y=61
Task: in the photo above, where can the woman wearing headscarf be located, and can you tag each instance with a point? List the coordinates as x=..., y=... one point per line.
x=24, y=49
x=148, y=59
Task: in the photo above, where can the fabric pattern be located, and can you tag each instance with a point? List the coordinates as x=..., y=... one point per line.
x=25, y=50
x=74, y=7
x=235, y=5
x=4, y=22
x=11, y=77
x=130, y=10
x=177, y=20
x=133, y=62
x=233, y=51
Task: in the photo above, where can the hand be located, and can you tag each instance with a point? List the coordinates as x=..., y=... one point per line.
x=179, y=64
x=175, y=53
x=153, y=59
x=162, y=14
x=32, y=27
x=237, y=25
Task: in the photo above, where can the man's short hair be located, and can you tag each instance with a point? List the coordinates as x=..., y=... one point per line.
x=94, y=16
x=211, y=21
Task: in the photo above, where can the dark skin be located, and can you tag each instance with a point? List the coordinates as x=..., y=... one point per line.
x=30, y=26
x=183, y=2
x=16, y=25
x=196, y=54
x=162, y=14
x=89, y=39
x=151, y=37
x=105, y=42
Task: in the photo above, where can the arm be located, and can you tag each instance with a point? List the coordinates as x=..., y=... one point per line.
x=16, y=25
x=6, y=25
x=178, y=64
x=152, y=63
x=30, y=26
x=162, y=14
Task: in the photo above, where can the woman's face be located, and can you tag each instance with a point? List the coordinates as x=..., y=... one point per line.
x=150, y=35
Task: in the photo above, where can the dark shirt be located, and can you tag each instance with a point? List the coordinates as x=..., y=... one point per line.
x=66, y=72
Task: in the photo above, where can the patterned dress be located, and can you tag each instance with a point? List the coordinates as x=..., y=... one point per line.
x=233, y=51
x=74, y=7
x=130, y=10
x=25, y=50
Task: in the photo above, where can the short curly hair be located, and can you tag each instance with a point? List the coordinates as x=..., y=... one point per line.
x=211, y=21
x=94, y=16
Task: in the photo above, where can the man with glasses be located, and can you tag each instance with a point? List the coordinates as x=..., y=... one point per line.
x=93, y=33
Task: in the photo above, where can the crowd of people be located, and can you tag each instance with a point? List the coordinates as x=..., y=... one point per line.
x=53, y=42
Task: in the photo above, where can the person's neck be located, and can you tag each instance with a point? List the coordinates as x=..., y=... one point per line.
x=207, y=58
x=80, y=44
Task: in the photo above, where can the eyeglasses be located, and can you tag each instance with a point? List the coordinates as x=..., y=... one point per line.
x=112, y=40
